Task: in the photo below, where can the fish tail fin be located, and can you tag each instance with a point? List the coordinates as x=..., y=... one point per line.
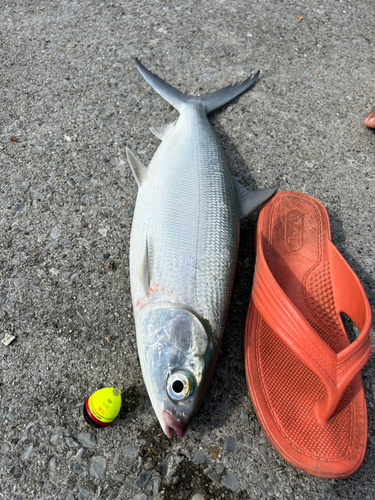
x=175, y=98
x=210, y=101
x=215, y=100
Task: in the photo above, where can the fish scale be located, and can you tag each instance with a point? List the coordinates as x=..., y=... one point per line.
x=183, y=252
x=188, y=213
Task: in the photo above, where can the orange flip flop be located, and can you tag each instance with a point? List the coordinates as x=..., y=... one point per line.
x=302, y=372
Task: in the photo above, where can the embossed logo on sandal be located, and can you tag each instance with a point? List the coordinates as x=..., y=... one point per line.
x=294, y=230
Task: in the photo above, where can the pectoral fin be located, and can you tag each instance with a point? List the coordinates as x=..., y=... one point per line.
x=144, y=271
x=251, y=200
x=138, y=169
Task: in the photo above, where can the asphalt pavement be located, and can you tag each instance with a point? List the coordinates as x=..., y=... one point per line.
x=71, y=100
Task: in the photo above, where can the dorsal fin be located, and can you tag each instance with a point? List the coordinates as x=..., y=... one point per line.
x=163, y=131
x=251, y=200
x=138, y=169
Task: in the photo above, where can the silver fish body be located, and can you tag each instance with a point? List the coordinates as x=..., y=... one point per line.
x=183, y=253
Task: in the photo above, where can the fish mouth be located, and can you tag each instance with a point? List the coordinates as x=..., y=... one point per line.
x=172, y=425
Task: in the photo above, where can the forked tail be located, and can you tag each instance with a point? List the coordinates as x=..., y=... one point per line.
x=210, y=101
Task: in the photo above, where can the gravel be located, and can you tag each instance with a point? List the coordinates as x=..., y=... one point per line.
x=26, y=455
x=72, y=100
x=98, y=467
x=87, y=440
x=231, y=445
x=199, y=458
x=231, y=482
x=52, y=464
x=130, y=451
x=4, y=448
x=143, y=479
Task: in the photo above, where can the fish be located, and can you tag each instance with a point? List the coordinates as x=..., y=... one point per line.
x=183, y=252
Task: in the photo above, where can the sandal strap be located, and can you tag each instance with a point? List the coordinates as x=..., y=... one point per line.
x=336, y=371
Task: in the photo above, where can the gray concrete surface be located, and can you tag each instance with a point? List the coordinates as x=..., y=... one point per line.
x=72, y=98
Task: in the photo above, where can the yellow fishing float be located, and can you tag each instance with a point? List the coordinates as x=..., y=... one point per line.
x=102, y=407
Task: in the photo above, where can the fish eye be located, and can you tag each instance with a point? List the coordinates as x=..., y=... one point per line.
x=179, y=386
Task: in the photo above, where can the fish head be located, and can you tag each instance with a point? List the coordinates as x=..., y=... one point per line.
x=175, y=356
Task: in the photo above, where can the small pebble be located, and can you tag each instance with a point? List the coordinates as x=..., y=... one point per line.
x=17, y=282
x=143, y=479
x=140, y=496
x=156, y=488
x=55, y=233
x=91, y=485
x=36, y=280
x=111, y=202
x=52, y=465
x=214, y=451
x=244, y=418
x=263, y=453
x=231, y=482
x=113, y=495
x=116, y=162
x=199, y=458
x=87, y=440
x=77, y=468
x=130, y=451
x=20, y=206
x=54, y=439
x=8, y=339
x=83, y=493
x=198, y=496
x=248, y=442
x=98, y=467
x=214, y=477
x=71, y=442
x=224, y=409
x=166, y=466
x=27, y=453
x=116, y=459
x=80, y=453
x=4, y=448
x=230, y=445
x=220, y=468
